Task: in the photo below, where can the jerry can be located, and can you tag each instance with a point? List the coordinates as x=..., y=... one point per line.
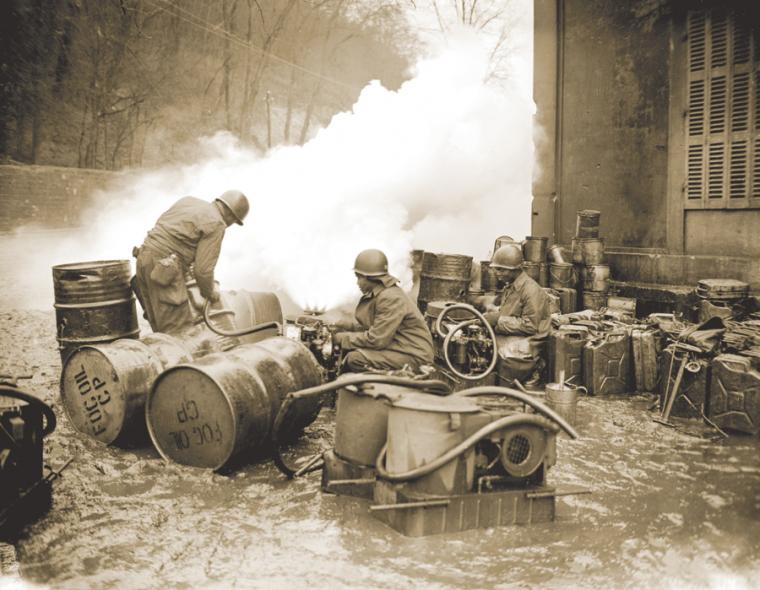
x=566, y=353
x=692, y=399
x=710, y=309
x=735, y=394
x=607, y=364
x=644, y=344
x=568, y=299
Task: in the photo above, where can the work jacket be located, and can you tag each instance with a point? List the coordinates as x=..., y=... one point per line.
x=523, y=309
x=389, y=320
x=193, y=229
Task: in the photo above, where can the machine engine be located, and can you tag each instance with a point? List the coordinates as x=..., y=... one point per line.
x=463, y=344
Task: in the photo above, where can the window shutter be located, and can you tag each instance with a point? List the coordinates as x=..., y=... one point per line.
x=723, y=110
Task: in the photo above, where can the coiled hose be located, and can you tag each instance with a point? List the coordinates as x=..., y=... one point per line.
x=457, y=450
x=430, y=386
x=549, y=420
x=479, y=318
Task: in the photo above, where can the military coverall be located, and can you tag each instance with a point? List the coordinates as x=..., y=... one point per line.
x=391, y=331
x=189, y=232
x=522, y=324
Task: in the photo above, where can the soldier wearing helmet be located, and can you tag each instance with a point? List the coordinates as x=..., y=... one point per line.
x=521, y=316
x=189, y=232
x=389, y=331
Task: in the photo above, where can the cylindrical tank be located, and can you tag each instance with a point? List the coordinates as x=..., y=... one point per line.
x=533, y=270
x=444, y=276
x=422, y=427
x=592, y=250
x=563, y=399
x=103, y=387
x=543, y=274
x=94, y=303
x=596, y=278
x=562, y=275
x=502, y=241
x=587, y=224
x=206, y=413
x=534, y=248
x=488, y=282
x=361, y=424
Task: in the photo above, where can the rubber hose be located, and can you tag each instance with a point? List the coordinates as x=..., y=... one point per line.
x=431, y=386
x=236, y=333
x=450, y=365
x=50, y=420
x=457, y=450
x=540, y=407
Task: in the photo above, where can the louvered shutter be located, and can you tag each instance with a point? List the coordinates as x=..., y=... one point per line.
x=723, y=111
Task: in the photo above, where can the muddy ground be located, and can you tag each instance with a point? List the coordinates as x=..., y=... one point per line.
x=670, y=509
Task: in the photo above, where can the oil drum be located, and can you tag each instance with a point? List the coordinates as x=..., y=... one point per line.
x=206, y=413
x=562, y=275
x=444, y=277
x=534, y=248
x=104, y=386
x=488, y=281
x=596, y=278
x=587, y=224
x=533, y=270
x=94, y=303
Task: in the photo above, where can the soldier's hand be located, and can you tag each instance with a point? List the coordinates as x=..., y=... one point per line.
x=215, y=295
x=492, y=317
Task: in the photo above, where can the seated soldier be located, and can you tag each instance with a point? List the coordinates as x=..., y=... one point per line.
x=520, y=315
x=389, y=331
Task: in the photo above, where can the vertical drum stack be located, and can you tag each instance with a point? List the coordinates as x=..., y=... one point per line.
x=534, y=256
x=588, y=256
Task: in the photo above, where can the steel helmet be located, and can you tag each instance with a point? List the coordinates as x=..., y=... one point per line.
x=371, y=263
x=237, y=203
x=507, y=257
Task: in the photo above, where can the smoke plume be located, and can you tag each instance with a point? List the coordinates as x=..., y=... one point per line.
x=442, y=164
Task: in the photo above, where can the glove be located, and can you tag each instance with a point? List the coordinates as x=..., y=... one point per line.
x=492, y=317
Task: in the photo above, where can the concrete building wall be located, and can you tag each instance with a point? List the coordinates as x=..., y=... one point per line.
x=614, y=119
x=49, y=196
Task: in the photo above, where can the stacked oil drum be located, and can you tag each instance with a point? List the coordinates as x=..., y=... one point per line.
x=588, y=257
x=534, y=259
x=443, y=277
x=204, y=400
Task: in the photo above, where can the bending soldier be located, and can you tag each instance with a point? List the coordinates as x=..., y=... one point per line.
x=389, y=331
x=521, y=317
x=189, y=232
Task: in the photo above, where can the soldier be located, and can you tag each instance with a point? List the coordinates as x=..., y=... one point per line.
x=521, y=316
x=189, y=232
x=389, y=331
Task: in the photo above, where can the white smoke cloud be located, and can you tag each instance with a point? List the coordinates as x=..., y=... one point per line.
x=442, y=164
